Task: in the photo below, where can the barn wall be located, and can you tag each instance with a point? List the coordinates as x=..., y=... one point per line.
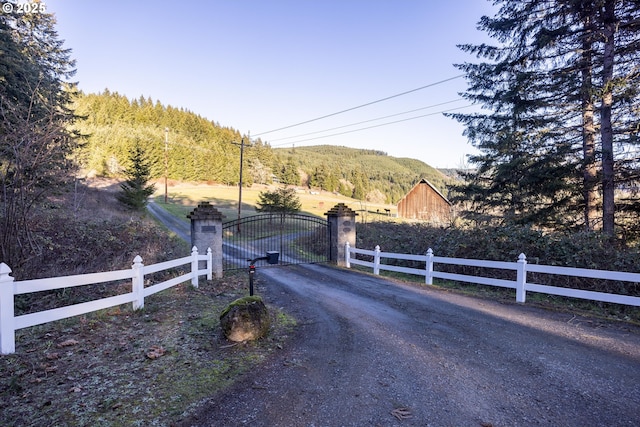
x=423, y=203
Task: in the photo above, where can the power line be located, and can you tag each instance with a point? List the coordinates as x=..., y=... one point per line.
x=372, y=127
x=367, y=121
x=363, y=105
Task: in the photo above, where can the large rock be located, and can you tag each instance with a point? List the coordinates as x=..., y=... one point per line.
x=245, y=319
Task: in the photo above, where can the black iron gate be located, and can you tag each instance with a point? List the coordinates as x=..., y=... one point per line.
x=299, y=238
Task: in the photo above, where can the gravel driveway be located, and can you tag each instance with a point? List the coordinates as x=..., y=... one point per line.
x=374, y=352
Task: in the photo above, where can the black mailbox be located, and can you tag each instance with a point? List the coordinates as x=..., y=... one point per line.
x=272, y=257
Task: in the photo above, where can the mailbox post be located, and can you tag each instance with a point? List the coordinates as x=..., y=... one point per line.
x=271, y=258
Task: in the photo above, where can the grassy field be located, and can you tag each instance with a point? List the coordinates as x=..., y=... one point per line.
x=183, y=197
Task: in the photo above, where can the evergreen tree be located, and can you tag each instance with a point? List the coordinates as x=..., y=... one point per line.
x=289, y=173
x=198, y=149
x=36, y=150
x=136, y=188
x=333, y=179
x=319, y=177
x=282, y=200
x=360, y=183
x=543, y=84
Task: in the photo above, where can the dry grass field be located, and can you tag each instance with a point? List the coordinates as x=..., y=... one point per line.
x=182, y=197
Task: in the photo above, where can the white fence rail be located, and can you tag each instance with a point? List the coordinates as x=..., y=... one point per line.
x=520, y=267
x=9, y=288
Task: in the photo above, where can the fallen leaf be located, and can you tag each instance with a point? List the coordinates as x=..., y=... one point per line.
x=67, y=343
x=48, y=368
x=155, y=352
x=401, y=413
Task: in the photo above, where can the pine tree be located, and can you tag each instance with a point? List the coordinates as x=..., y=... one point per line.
x=288, y=173
x=283, y=200
x=136, y=188
x=360, y=182
x=543, y=84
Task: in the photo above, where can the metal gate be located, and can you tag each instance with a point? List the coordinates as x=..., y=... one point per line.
x=299, y=238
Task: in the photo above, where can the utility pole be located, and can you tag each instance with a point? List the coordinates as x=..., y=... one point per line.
x=166, y=162
x=240, y=186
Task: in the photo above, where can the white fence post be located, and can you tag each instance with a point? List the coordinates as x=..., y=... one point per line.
x=521, y=279
x=209, y=264
x=137, y=283
x=428, y=277
x=376, y=260
x=7, y=322
x=194, y=267
x=347, y=255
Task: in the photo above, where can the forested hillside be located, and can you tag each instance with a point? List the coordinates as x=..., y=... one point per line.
x=201, y=150
x=197, y=148
x=359, y=173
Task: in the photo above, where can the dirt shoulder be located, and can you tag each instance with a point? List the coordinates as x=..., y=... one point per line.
x=117, y=367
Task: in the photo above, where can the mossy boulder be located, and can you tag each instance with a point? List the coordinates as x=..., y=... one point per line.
x=245, y=319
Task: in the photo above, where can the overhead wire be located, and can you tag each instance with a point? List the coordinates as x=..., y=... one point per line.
x=372, y=127
x=357, y=123
x=367, y=121
x=361, y=106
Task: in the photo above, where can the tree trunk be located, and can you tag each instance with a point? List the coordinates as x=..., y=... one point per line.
x=608, y=184
x=589, y=169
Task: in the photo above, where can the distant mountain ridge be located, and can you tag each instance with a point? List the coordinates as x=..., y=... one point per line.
x=392, y=176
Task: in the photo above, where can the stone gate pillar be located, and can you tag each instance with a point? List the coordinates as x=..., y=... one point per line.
x=206, y=232
x=342, y=223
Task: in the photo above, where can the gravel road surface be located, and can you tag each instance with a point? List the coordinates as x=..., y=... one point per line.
x=374, y=352
x=181, y=228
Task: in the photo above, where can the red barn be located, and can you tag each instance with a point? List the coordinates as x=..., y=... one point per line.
x=425, y=202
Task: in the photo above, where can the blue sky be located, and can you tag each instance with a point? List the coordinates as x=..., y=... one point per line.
x=257, y=65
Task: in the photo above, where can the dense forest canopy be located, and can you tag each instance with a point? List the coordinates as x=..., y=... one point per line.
x=196, y=148
x=201, y=150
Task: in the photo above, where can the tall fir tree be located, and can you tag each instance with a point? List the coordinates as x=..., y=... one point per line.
x=543, y=83
x=136, y=189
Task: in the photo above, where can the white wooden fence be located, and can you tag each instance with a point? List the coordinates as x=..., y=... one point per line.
x=9, y=288
x=521, y=267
